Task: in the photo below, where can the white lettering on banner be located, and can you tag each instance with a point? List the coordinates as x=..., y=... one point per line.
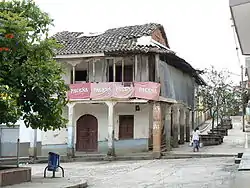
x=147, y=90
x=79, y=90
x=102, y=90
x=123, y=89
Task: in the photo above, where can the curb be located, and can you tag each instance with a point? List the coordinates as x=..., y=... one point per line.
x=148, y=157
x=79, y=185
x=183, y=156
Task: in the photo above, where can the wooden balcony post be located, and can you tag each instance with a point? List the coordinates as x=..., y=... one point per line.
x=73, y=74
x=114, y=71
x=135, y=68
x=93, y=63
x=157, y=68
x=122, y=70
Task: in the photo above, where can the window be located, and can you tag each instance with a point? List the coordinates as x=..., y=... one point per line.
x=128, y=73
x=126, y=127
x=80, y=76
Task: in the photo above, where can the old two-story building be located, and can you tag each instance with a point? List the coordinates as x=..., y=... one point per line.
x=128, y=92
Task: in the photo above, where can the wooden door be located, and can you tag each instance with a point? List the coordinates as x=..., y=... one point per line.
x=87, y=134
x=126, y=127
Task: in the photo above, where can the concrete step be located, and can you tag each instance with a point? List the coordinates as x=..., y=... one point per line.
x=245, y=162
x=198, y=155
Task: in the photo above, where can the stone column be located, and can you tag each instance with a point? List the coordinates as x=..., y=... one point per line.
x=175, y=126
x=111, y=128
x=182, y=125
x=168, y=126
x=33, y=143
x=71, y=131
x=188, y=124
x=157, y=125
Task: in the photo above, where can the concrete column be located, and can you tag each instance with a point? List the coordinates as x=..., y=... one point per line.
x=71, y=131
x=188, y=124
x=111, y=128
x=167, y=124
x=182, y=125
x=175, y=126
x=157, y=125
x=33, y=144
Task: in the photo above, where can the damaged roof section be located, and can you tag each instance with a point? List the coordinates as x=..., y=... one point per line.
x=128, y=39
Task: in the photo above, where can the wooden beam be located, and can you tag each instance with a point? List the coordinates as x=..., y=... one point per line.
x=114, y=66
x=135, y=66
x=93, y=64
x=88, y=79
x=140, y=68
x=147, y=67
x=73, y=74
x=103, y=70
x=157, y=70
x=107, y=70
x=122, y=69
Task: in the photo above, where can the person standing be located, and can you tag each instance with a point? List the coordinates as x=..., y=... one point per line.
x=196, y=139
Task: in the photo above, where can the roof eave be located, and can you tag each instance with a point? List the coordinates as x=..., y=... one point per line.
x=70, y=56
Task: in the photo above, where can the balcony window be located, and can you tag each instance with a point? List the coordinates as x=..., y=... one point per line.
x=128, y=73
x=80, y=76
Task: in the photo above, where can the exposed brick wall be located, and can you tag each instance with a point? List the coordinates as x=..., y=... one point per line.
x=157, y=36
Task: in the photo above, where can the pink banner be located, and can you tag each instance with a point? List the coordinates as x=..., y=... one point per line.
x=115, y=90
x=79, y=91
x=147, y=90
x=123, y=90
x=101, y=90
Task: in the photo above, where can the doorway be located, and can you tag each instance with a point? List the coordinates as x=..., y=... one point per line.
x=87, y=133
x=126, y=127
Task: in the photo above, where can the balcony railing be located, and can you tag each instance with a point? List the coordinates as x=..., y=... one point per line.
x=114, y=90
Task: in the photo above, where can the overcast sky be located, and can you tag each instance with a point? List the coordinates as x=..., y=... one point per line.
x=198, y=30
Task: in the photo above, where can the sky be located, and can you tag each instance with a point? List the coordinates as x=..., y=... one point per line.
x=200, y=31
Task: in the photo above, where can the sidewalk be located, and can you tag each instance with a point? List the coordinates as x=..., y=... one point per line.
x=73, y=178
x=233, y=143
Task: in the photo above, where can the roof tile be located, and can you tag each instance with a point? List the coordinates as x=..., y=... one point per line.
x=123, y=39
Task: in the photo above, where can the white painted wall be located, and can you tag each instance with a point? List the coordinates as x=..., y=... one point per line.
x=57, y=136
x=26, y=134
x=100, y=111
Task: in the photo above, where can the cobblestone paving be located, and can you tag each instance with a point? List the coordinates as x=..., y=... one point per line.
x=179, y=173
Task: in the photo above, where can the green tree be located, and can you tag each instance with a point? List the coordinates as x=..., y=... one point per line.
x=29, y=76
x=218, y=95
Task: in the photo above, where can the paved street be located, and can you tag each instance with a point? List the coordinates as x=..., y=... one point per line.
x=179, y=173
x=233, y=143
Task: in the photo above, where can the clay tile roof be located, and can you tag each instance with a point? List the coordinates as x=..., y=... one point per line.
x=123, y=39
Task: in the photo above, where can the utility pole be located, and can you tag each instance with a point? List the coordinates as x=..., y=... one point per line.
x=242, y=97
